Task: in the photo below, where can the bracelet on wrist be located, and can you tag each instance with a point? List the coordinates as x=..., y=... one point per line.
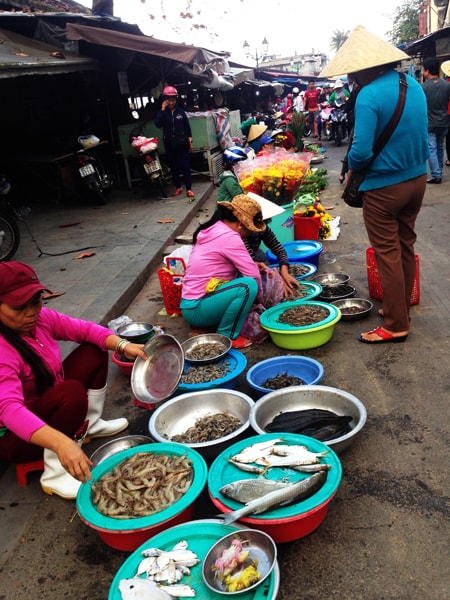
x=120, y=346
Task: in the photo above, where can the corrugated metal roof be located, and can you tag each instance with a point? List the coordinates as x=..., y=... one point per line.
x=20, y=55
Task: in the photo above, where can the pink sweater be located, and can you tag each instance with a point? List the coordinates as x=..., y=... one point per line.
x=219, y=252
x=17, y=384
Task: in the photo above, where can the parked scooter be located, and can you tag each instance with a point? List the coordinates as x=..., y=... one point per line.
x=91, y=170
x=338, y=121
x=9, y=231
x=152, y=168
x=325, y=121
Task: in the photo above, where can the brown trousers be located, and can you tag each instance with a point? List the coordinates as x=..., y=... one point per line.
x=390, y=215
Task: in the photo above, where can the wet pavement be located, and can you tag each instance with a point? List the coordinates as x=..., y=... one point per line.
x=386, y=532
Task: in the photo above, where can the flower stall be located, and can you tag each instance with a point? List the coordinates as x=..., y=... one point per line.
x=311, y=217
x=276, y=176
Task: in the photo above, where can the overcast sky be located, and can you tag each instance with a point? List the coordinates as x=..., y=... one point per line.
x=289, y=26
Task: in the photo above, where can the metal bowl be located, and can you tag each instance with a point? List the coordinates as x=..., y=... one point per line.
x=354, y=309
x=331, y=279
x=113, y=446
x=138, y=332
x=262, y=549
x=306, y=397
x=175, y=416
x=222, y=342
x=153, y=380
x=336, y=292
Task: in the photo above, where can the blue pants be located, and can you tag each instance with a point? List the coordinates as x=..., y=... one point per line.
x=180, y=163
x=436, y=142
x=225, y=308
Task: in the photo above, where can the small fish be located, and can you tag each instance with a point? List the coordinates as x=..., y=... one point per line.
x=248, y=468
x=282, y=497
x=291, y=460
x=250, y=453
x=311, y=468
x=178, y=590
x=246, y=490
x=142, y=589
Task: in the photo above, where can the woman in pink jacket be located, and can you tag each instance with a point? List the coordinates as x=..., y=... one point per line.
x=44, y=401
x=222, y=281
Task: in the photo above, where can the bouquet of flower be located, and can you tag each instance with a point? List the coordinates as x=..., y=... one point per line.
x=276, y=176
x=308, y=205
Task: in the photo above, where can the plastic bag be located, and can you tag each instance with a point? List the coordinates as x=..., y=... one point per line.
x=251, y=328
x=273, y=288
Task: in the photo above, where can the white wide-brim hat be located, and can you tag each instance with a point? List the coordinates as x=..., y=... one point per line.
x=269, y=209
x=362, y=50
x=446, y=68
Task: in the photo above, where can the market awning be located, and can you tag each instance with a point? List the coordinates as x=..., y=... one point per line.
x=20, y=55
x=436, y=44
x=181, y=53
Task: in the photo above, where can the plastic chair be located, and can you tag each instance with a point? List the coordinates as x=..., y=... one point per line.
x=23, y=469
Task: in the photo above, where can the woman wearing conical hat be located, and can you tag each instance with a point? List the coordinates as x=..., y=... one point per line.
x=395, y=183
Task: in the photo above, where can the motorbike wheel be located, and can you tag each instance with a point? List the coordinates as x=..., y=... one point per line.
x=338, y=136
x=162, y=186
x=307, y=130
x=98, y=193
x=9, y=237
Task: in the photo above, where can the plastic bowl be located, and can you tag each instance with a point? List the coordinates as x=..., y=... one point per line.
x=309, y=269
x=124, y=365
x=177, y=415
x=308, y=369
x=309, y=290
x=200, y=535
x=305, y=251
x=285, y=523
x=289, y=337
x=237, y=362
x=262, y=550
x=306, y=397
x=128, y=534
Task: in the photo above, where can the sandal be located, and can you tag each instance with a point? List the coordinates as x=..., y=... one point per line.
x=241, y=342
x=178, y=191
x=190, y=194
x=385, y=337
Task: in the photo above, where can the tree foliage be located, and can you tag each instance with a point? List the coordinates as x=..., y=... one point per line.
x=338, y=38
x=405, y=26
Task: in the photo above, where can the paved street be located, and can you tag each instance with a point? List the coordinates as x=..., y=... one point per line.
x=386, y=534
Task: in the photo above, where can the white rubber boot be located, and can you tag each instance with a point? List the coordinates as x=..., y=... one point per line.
x=99, y=428
x=56, y=480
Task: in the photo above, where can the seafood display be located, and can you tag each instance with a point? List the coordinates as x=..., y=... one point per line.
x=205, y=373
x=293, y=492
x=142, y=485
x=246, y=490
x=318, y=423
x=205, y=351
x=282, y=380
x=297, y=269
x=334, y=292
x=302, y=315
x=235, y=568
x=208, y=428
x=298, y=292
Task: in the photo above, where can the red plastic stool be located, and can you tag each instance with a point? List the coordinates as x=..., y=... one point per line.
x=23, y=469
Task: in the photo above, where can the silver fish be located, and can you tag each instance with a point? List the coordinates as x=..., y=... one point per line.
x=178, y=590
x=250, y=453
x=247, y=467
x=303, y=458
x=282, y=497
x=246, y=490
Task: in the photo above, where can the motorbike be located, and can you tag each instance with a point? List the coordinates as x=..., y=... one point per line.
x=325, y=120
x=91, y=169
x=152, y=168
x=9, y=230
x=338, y=121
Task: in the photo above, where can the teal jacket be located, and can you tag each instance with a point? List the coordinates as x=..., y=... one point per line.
x=228, y=187
x=405, y=155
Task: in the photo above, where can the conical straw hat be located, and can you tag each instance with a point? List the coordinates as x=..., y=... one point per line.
x=446, y=68
x=255, y=132
x=362, y=50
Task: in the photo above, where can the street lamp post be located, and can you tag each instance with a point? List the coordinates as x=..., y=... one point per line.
x=257, y=57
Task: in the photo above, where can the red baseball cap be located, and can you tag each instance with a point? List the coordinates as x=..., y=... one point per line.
x=18, y=283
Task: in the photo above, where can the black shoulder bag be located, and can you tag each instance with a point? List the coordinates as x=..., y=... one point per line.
x=351, y=195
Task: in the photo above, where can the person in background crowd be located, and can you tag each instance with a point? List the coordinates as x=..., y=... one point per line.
x=222, y=281
x=267, y=145
x=445, y=67
x=394, y=186
x=311, y=100
x=229, y=188
x=437, y=92
x=339, y=92
x=254, y=136
x=47, y=403
x=298, y=105
x=177, y=138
